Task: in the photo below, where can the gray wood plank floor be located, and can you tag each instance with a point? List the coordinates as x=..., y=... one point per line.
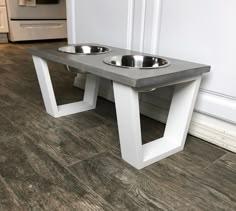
x=74, y=162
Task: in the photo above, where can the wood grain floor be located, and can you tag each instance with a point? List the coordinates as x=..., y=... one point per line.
x=74, y=162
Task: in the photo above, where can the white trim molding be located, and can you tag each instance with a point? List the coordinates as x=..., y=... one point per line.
x=146, y=17
x=130, y=24
x=138, y=25
x=217, y=105
x=151, y=33
x=71, y=26
x=215, y=131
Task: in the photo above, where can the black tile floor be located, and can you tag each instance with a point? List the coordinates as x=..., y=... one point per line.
x=74, y=162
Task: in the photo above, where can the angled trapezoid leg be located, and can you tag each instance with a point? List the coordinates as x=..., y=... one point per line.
x=90, y=94
x=128, y=118
x=177, y=125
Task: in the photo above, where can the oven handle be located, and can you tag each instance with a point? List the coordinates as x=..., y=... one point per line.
x=41, y=25
x=47, y=1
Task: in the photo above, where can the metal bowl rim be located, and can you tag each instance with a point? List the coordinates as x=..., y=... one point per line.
x=108, y=49
x=159, y=57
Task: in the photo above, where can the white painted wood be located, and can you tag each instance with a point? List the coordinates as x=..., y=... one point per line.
x=105, y=88
x=128, y=118
x=151, y=32
x=130, y=19
x=222, y=107
x=45, y=83
x=159, y=149
x=91, y=90
x=71, y=19
x=90, y=96
x=3, y=20
x=181, y=109
x=71, y=30
x=139, y=12
x=215, y=131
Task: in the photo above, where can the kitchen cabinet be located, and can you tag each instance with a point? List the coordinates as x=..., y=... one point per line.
x=3, y=17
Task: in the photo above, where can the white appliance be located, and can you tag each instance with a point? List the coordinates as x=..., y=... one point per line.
x=36, y=19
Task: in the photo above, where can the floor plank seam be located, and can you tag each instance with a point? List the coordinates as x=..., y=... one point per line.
x=207, y=167
x=87, y=158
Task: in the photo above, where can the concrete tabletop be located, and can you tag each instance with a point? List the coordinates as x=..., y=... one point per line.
x=138, y=78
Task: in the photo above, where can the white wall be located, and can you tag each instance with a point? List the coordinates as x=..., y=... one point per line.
x=194, y=30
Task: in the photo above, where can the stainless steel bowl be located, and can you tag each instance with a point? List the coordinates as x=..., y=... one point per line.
x=84, y=49
x=136, y=61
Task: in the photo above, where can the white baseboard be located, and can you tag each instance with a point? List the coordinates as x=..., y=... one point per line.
x=210, y=131
x=216, y=105
x=214, y=130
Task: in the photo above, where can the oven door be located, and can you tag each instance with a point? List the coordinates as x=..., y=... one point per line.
x=44, y=10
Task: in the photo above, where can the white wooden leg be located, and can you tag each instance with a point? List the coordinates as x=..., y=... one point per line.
x=128, y=117
x=90, y=96
x=177, y=125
